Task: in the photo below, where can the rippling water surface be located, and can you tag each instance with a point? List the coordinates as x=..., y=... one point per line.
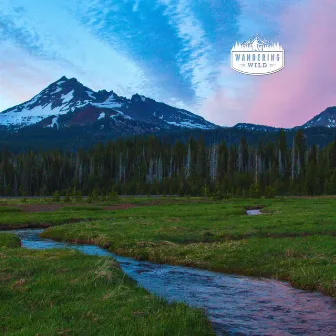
x=236, y=305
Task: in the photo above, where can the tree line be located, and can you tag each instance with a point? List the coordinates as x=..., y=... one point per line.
x=155, y=166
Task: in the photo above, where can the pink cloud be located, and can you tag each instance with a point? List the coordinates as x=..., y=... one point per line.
x=215, y=108
x=307, y=85
x=20, y=76
x=227, y=105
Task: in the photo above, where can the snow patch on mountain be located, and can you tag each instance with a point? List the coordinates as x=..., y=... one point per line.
x=30, y=116
x=109, y=103
x=258, y=128
x=68, y=97
x=121, y=114
x=188, y=124
x=57, y=89
x=83, y=105
x=60, y=82
x=53, y=122
x=326, y=118
x=90, y=94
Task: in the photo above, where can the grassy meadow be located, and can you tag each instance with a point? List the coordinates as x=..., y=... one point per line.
x=294, y=240
x=59, y=292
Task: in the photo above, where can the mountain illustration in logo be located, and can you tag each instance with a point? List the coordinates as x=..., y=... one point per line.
x=257, y=56
x=257, y=44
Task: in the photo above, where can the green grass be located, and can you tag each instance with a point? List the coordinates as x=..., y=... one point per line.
x=9, y=209
x=8, y=240
x=14, y=218
x=63, y=292
x=66, y=293
x=294, y=240
x=42, y=219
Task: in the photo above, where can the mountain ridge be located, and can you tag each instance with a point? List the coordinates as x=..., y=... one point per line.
x=68, y=112
x=68, y=102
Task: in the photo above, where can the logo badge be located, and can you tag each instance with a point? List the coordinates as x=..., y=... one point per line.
x=257, y=57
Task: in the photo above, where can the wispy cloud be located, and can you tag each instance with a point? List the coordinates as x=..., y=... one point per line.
x=195, y=57
x=176, y=51
x=68, y=46
x=135, y=5
x=282, y=99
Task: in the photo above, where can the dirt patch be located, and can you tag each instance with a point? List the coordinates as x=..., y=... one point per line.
x=126, y=206
x=54, y=207
x=39, y=207
x=173, y=220
x=254, y=207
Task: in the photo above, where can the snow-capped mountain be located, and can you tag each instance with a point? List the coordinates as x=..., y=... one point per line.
x=326, y=118
x=67, y=102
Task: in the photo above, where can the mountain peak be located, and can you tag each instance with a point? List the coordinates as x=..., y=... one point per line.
x=137, y=97
x=327, y=118
x=62, y=79
x=331, y=109
x=68, y=102
x=68, y=81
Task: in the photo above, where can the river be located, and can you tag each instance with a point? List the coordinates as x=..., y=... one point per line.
x=236, y=305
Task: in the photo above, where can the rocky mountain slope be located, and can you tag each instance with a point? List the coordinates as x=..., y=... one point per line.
x=326, y=118
x=67, y=103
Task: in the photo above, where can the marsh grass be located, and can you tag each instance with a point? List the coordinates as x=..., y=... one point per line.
x=64, y=215
x=4, y=209
x=63, y=292
x=9, y=240
x=294, y=239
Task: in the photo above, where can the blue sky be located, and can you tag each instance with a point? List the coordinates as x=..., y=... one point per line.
x=176, y=51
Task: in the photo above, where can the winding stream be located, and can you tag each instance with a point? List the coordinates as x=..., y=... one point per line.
x=236, y=305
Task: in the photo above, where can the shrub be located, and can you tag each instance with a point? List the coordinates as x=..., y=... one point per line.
x=67, y=198
x=217, y=196
x=95, y=196
x=205, y=191
x=181, y=190
x=269, y=192
x=254, y=191
x=79, y=196
x=113, y=197
x=56, y=197
x=89, y=198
